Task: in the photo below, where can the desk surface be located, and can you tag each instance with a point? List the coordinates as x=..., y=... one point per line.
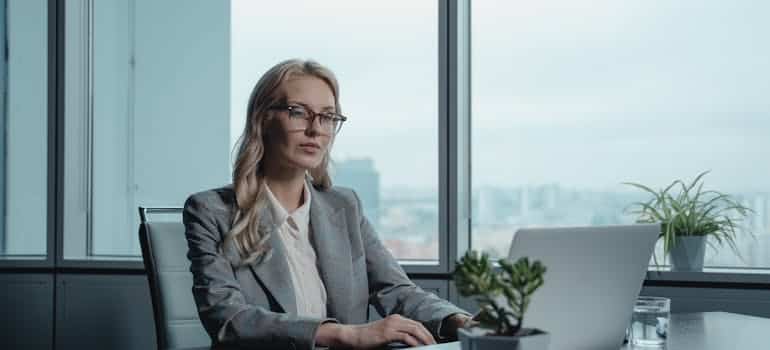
x=702, y=331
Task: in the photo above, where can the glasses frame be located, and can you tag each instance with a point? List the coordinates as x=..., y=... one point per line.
x=312, y=115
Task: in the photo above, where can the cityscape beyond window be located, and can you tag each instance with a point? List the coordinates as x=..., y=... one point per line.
x=572, y=98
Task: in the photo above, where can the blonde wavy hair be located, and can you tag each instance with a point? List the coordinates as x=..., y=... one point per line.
x=247, y=237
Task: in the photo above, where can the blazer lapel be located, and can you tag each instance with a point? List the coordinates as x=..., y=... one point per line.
x=332, y=246
x=274, y=272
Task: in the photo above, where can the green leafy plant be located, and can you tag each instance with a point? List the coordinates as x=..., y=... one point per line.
x=692, y=211
x=514, y=282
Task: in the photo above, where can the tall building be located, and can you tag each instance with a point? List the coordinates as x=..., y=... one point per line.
x=360, y=175
x=496, y=205
x=524, y=200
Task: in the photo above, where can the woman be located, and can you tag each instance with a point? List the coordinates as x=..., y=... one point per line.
x=282, y=259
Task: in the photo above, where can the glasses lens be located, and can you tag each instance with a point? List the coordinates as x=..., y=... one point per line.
x=327, y=121
x=297, y=112
x=337, y=126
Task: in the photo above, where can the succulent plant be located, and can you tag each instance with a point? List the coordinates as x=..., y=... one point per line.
x=503, y=294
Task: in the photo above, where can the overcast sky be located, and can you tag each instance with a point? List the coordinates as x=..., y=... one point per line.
x=581, y=93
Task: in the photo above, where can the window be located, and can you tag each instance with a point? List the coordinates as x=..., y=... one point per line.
x=572, y=98
x=146, y=115
x=385, y=56
x=24, y=129
x=157, y=94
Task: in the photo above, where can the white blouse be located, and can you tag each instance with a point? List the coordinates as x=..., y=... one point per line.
x=294, y=230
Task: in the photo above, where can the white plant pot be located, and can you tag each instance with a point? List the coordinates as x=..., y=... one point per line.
x=475, y=339
x=687, y=253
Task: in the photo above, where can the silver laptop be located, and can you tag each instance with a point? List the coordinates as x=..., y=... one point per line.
x=593, y=276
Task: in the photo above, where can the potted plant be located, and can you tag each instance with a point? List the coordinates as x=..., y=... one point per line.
x=688, y=218
x=503, y=296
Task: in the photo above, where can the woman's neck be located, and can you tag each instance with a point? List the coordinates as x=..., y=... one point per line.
x=287, y=187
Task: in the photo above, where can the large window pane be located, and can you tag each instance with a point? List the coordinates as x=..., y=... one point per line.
x=572, y=98
x=385, y=56
x=23, y=126
x=147, y=114
x=154, y=108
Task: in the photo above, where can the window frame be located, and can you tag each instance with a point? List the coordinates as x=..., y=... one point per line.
x=77, y=33
x=3, y=116
x=75, y=233
x=458, y=139
x=447, y=30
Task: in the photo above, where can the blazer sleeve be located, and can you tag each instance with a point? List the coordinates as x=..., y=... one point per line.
x=391, y=291
x=224, y=312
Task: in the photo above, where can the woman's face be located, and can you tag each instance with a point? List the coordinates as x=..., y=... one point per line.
x=296, y=143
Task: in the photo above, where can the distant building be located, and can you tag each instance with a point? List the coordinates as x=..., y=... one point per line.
x=485, y=210
x=495, y=206
x=360, y=175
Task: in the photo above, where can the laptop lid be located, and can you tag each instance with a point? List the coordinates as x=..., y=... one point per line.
x=593, y=276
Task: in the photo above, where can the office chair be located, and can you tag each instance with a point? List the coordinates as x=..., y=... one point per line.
x=164, y=251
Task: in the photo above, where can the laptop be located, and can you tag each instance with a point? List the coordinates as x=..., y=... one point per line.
x=593, y=276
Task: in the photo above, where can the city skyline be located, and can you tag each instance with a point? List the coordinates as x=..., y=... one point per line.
x=407, y=218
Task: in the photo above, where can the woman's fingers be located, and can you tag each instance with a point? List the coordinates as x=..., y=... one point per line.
x=407, y=339
x=415, y=329
x=426, y=337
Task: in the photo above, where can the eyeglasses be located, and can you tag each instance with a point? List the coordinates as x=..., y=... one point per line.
x=302, y=117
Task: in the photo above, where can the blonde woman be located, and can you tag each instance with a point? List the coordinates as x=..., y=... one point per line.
x=280, y=258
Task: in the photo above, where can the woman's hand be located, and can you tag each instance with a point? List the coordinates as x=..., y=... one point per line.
x=394, y=328
x=451, y=324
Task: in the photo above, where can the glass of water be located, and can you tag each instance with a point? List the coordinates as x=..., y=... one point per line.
x=649, y=323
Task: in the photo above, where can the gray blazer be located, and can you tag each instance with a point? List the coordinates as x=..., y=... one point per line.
x=254, y=305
